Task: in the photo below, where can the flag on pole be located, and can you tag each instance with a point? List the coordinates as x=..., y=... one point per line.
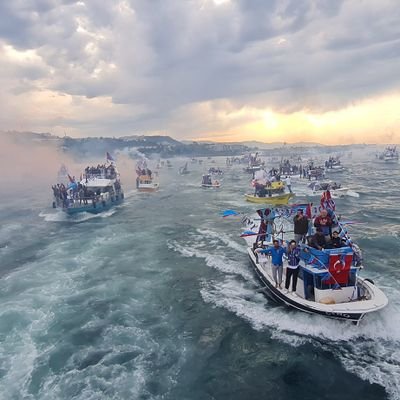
x=109, y=157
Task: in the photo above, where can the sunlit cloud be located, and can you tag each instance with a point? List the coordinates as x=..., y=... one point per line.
x=292, y=70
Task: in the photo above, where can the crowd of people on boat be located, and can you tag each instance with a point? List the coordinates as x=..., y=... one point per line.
x=144, y=172
x=101, y=171
x=215, y=171
x=332, y=161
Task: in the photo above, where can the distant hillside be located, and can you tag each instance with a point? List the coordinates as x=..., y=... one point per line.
x=272, y=145
x=163, y=146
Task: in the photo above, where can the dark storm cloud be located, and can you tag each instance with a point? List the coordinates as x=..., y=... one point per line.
x=165, y=55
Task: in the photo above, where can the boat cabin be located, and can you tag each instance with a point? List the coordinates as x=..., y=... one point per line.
x=327, y=276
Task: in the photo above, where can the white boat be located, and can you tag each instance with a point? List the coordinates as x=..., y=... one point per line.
x=336, y=190
x=334, y=165
x=145, y=181
x=329, y=281
x=98, y=190
x=208, y=181
x=390, y=155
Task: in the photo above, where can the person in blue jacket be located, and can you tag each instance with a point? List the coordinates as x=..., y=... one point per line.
x=276, y=252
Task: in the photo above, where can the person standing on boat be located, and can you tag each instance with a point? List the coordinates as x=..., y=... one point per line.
x=277, y=253
x=324, y=222
x=288, y=183
x=292, y=270
x=300, y=226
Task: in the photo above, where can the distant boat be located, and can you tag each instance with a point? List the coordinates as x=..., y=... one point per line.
x=276, y=199
x=208, y=182
x=271, y=193
x=98, y=190
x=390, y=155
x=184, y=170
x=336, y=190
x=334, y=165
x=145, y=180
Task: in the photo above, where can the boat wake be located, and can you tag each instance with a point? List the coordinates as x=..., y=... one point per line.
x=60, y=216
x=369, y=350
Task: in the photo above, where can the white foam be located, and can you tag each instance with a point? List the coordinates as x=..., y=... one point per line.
x=373, y=347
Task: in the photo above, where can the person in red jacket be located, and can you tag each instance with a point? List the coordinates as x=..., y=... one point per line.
x=324, y=222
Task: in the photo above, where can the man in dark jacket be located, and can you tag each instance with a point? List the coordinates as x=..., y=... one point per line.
x=318, y=240
x=300, y=227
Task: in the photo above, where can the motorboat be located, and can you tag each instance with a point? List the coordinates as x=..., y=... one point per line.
x=336, y=189
x=254, y=164
x=269, y=193
x=145, y=181
x=329, y=281
x=333, y=164
x=98, y=190
x=390, y=155
x=208, y=181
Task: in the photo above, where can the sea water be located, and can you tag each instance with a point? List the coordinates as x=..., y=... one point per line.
x=156, y=299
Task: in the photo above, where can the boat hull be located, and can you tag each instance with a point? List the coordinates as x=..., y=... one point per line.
x=279, y=200
x=91, y=208
x=276, y=294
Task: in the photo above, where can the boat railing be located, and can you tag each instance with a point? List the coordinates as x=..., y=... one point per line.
x=76, y=201
x=100, y=176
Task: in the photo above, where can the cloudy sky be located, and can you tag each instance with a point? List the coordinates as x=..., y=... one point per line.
x=312, y=70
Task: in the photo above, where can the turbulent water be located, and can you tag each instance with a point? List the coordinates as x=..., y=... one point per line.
x=156, y=299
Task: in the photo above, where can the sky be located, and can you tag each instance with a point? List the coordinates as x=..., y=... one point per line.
x=323, y=71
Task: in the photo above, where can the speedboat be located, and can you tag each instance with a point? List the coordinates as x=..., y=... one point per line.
x=329, y=281
x=98, y=190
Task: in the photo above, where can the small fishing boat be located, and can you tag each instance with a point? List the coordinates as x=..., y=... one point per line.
x=209, y=182
x=269, y=193
x=336, y=190
x=334, y=165
x=254, y=164
x=390, y=155
x=145, y=179
x=98, y=190
x=329, y=281
x=278, y=199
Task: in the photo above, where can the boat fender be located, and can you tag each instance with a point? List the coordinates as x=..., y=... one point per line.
x=112, y=199
x=116, y=197
x=54, y=204
x=369, y=280
x=122, y=195
x=103, y=203
x=327, y=300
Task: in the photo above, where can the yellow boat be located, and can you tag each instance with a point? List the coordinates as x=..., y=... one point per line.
x=277, y=199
